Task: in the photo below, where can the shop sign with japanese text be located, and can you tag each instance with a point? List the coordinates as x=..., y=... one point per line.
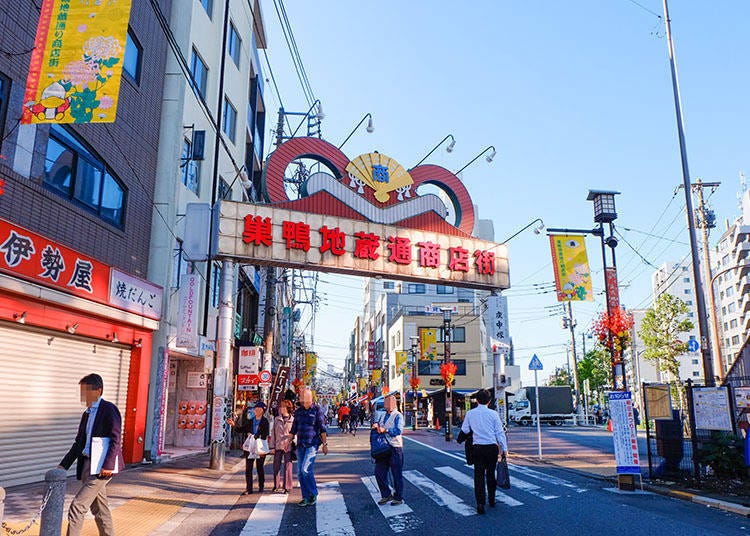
x=249, y=368
x=135, y=295
x=262, y=234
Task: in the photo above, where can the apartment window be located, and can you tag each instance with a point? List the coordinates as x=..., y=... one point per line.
x=696, y=373
x=732, y=307
x=416, y=288
x=208, y=5
x=432, y=368
x=73, y=171
x=721, y=295
x=733, y=323
x=736, y=339
x=230, y=119
x=388, y=285
x=458, y=334
x=730, y=292
x=191, y=170
x=442, y=289
x=224, y=191
x=724, y=310
x=726, y=342
x=234, y=45
x=4, y=96
x=695, y=362
x=684, y=269
x=690, y=315
x=688, y=302
x=199, y=71
x=725, y=260
x=686, y=280
x=133, y=54
x=688, y=291
x=726, y=326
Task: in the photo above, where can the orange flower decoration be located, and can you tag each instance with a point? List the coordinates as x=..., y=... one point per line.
x=613, y=331
x=448, y=372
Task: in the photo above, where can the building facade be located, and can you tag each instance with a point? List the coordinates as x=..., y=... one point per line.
x=75, y=213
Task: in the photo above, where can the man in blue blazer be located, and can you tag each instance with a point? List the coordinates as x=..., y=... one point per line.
x=101, y=424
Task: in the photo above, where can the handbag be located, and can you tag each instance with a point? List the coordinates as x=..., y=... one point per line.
x=380, y=448
x=251, y=447
x=503, y=477
x=468, y=446
x=261, y=446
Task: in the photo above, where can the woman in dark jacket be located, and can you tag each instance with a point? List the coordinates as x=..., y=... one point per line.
x=259, y=427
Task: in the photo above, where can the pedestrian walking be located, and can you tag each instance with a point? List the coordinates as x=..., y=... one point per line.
x=281, y=446
x=490, y=445
x=97, y=451
x=391, y=423
x=310, y=430
x=257, y=425
x=353, y=417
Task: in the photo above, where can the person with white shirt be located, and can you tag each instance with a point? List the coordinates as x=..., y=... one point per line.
x=490, y=445
x=391, y=423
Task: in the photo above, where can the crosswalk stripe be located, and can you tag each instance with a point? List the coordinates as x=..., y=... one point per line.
x=401, y=517
x=265, y=518
x=528, y=487
x=440, y=495
x=546, y=478
x=330, y=512
x=466, y=480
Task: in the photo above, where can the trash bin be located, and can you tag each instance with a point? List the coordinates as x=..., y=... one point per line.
x=669, y=444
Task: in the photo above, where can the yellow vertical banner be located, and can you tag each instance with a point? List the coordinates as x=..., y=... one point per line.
x=572, y=274
x=428, y=341
x=76, y=65
x=376, y=374
x=311, y=364
x=401, y=359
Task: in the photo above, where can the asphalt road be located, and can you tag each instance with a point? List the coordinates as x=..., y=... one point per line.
x=439, y=500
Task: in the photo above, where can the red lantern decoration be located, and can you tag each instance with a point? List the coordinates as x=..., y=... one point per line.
x=613, y=331
x=414, y=382
x=448, y=372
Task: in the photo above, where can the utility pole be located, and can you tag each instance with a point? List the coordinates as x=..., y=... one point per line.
x=570, y=323
x=707, y=220
x=708, y=369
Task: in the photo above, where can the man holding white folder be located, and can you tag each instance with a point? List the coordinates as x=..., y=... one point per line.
x=98, y=452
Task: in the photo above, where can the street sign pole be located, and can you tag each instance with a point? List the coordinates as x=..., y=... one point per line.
x=538, y=422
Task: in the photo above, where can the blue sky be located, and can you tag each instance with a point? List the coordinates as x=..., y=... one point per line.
x=574, y=95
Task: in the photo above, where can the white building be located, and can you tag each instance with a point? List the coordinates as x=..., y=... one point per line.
x=677, y=279
x=188, y=174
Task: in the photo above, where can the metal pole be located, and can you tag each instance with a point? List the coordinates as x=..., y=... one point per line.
x=708, y=371
x=572, y=327
x=224, y=338
x=715, y=344
x=613, y=368
x=648, y=430
x=693, y=437
x=538, y=422
x=614, y=266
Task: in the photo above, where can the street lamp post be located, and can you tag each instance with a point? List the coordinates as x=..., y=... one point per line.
x=490, y=157
x=604, y=212
x=448, y=149
x=370, y=129
x=448, y=387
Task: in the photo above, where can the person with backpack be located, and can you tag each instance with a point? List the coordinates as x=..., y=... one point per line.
x=490, y=445
x=391, y=425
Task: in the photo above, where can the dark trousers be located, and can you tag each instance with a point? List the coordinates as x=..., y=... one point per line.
x=485, y=463
x=282, y=469
x=395, y=462
x=259, y=469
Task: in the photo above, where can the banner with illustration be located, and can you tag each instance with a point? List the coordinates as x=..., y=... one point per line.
x=428, y=343
x=76, y=65
x=401, y=357
x=572, y=274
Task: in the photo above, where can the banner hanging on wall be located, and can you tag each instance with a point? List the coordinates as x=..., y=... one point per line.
x=76, y=65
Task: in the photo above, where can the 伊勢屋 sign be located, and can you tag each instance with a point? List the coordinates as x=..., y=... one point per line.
x=76, y=63
x=572, y=274
x=263, y=234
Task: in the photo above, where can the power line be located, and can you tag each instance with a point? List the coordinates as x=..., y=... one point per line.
x=299, y=68
x=644, y=8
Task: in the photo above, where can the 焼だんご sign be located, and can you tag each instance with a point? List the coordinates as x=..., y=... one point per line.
x=276, y=236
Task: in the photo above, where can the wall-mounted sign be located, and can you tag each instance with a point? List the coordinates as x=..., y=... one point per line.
x=135, y=294
x=197, y=380
x=711, y=407
x=248, y=368
x=268, y=235
x=187, y=311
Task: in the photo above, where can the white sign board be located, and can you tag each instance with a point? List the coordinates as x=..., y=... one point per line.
x=135, y=294
x=248, y=368
x=496, y=321
x=196, y=380
x=624, y=432
x=741, y=398
x=263, y=234
x=187, y=311
x=711, y=408
x=217, y=419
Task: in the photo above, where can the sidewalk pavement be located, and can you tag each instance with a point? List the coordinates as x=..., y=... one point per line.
x=572, y=456
x=149, y=499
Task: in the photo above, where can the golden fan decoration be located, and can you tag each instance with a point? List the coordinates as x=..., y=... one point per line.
x=381, y=173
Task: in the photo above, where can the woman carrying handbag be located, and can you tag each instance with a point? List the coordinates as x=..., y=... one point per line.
x=281, y=446
x=258, y=427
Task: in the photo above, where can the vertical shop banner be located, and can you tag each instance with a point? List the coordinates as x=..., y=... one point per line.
x=376, y=375
x=401, y=357
x=572, y=274
x=624, y=433
x=279, y=387
x=311, y=365
x=248, y=368
x=284, y=330
x=165, y=370
x=76, y=65
x=187, y=329
x=428, y=343
x=370, y=355
x=496, y=320
x=613, y=290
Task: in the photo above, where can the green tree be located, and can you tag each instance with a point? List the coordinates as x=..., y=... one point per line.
x=560, y=377
x=595, y=367
x=662, y=333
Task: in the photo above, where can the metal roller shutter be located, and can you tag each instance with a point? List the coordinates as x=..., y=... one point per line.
x=40, y=404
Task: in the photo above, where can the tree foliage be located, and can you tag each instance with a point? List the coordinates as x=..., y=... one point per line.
x=560, y=377
x=662, y=333
x=595, y=367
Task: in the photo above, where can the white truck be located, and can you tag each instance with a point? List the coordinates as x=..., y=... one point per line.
x=555, y=406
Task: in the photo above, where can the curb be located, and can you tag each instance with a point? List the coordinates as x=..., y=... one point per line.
x=725, y=506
